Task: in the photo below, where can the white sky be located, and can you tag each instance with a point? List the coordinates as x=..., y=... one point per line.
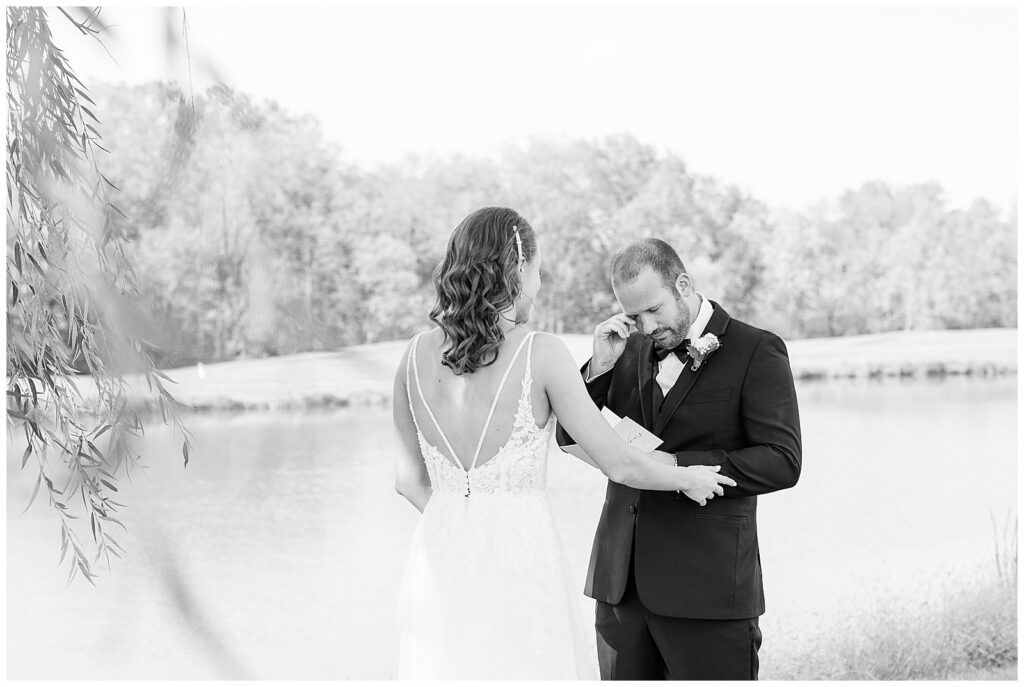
x=793, y=104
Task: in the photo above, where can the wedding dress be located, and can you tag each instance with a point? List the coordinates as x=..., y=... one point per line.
x=486, y=592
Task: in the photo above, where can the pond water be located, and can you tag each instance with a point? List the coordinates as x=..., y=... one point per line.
x=277, y=552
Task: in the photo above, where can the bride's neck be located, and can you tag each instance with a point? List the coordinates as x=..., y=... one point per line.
x=507, y=321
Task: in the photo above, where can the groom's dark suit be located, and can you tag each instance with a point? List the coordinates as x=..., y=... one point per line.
x=689, y=576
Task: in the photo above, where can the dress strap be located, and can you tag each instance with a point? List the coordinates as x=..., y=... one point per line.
x=423, y=400
x=529, y=357
x=528, y=373
x=497, y=395
x=408, y=382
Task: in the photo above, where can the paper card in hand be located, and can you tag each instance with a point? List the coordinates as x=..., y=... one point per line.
x=631, y=432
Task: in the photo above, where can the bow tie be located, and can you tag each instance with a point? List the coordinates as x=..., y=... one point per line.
x=680, y=351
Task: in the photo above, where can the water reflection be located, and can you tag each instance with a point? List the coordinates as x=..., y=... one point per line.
x=277, y=552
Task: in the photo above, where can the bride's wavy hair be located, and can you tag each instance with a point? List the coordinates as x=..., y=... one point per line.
x=478, y=279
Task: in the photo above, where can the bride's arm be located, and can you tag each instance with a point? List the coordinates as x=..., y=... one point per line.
x=575, y=410
x=411, y=478
x=660, y=456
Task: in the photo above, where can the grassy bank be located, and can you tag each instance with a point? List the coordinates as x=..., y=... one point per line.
x=983, y=352
x=1007, y=672
x=965, y=630
x=957, y=625
x=364, y=374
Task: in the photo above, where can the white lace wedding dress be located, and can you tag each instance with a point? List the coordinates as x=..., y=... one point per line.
x=486, y=592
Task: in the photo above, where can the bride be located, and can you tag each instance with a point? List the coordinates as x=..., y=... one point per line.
x=486, y=591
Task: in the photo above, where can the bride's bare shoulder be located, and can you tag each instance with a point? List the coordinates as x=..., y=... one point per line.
x=550, y=351
x=430, y=339
x=548, y=342
x=425, y=341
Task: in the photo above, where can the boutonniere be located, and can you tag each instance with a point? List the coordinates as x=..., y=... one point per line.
x=701, y=349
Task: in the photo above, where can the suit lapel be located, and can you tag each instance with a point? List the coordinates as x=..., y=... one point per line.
x=645, y=377
x=717, y=325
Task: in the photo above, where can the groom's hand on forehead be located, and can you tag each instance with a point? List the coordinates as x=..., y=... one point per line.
x=622, y=324
x=609, y=342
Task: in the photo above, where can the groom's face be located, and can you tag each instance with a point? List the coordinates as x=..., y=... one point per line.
x=657, y=308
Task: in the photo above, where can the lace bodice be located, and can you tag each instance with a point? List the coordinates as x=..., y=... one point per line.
x=519, y=466
x=487, y=592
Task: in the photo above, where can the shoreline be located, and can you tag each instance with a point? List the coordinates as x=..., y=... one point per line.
x=362, y=376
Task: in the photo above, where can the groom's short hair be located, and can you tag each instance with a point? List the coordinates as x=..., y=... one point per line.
x=629, y=262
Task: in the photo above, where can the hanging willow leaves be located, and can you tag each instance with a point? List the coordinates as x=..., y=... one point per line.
x=71, y=291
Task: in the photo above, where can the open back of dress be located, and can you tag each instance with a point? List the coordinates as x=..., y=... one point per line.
x=487, y=592
x=520, y=464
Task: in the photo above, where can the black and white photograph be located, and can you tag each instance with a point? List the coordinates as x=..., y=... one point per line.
x=513, y=342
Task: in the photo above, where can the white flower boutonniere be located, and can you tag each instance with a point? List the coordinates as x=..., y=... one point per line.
x=701, y=349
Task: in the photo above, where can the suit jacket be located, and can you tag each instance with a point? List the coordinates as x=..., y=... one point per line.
x=738, y=410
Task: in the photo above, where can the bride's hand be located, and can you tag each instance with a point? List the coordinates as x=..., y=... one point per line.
x=702, y=482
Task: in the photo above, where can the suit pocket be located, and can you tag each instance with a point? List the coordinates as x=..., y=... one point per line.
x=710, y=395
x=738, y=519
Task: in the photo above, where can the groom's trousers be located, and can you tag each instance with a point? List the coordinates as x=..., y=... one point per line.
x=635, y=644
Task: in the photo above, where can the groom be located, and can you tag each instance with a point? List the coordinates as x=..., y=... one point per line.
x=677, y=584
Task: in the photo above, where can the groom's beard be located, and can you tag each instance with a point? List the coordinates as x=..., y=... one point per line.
x=677, y=330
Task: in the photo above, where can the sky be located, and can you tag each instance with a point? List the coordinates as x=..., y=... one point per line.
x=793, y=104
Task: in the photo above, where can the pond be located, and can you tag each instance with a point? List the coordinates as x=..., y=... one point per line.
x=277, y=553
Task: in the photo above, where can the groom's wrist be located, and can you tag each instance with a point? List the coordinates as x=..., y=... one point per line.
x=591, y=375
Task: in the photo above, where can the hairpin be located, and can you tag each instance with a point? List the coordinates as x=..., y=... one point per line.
x=519, y=245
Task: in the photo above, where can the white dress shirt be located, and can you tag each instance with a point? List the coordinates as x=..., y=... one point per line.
x=671, y=367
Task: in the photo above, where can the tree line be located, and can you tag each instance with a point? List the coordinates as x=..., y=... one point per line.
x=255, y=236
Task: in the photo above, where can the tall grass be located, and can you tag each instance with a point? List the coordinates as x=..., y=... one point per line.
x=966, y=624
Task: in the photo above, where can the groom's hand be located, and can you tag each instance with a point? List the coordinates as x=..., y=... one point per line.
x=609, y=342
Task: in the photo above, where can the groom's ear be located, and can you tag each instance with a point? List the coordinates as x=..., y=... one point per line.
x=684, y=287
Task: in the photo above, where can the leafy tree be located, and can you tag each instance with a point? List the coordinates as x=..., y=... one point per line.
x=267, y=242
x=70, y=293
